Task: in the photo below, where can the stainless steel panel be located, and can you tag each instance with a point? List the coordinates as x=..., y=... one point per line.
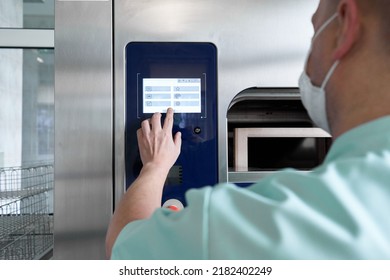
x=261, y=43
x=250, y=177
x=83, y=128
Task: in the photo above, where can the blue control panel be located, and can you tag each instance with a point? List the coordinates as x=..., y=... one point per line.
x=182, y=76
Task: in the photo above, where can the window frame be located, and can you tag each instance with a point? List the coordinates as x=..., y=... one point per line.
x=26, y=38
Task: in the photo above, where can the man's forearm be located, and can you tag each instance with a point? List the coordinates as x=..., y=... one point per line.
x=158, y=151
x=140, y=201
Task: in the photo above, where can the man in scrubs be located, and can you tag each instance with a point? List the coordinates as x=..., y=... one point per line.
x=340, y=210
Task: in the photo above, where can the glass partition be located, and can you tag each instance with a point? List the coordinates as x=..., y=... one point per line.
x=26, y=152
x=34, y=14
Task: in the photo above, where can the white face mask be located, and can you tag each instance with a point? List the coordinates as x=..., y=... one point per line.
x=313, y=97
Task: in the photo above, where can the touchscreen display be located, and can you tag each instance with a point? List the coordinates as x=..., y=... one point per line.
x=183, y=95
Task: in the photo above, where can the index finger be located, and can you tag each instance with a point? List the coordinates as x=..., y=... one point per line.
x=168, y=122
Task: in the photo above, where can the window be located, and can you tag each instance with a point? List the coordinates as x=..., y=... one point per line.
x=26, y=129
x=36, y=14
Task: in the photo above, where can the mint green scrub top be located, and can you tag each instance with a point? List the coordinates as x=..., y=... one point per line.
x=340, y=210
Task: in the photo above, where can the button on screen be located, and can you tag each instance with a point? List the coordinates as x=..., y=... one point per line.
x=183, y=95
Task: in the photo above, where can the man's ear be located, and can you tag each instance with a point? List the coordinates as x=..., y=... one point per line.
x=349, y=27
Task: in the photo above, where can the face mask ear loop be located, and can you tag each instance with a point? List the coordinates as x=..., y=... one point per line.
x=319, y=31
x=324, y=25
x=330, y=73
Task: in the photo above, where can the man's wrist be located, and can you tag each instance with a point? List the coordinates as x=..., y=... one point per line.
x=155, y=168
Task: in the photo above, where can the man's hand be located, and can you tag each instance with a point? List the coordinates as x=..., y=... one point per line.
x=156, y=144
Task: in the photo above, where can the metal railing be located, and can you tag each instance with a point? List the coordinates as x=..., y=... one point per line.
x=26, y=212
